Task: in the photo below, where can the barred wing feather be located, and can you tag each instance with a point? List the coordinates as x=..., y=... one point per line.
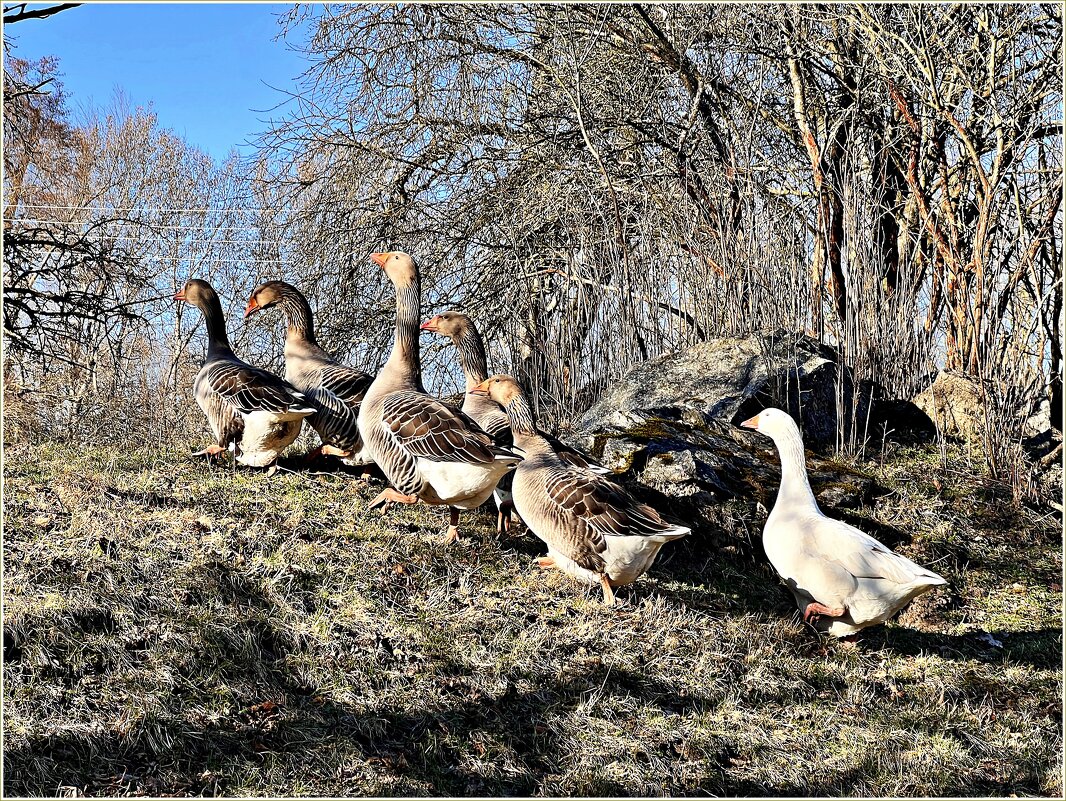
x=428, y=428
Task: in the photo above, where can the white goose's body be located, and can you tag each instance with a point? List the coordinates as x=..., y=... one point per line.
x=830, y=566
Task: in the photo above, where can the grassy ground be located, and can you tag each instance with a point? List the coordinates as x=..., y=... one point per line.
x=173, y=628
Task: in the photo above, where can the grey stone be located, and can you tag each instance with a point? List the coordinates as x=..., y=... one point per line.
x=669, y=428
x=1039, y=421
x=956, y=404
x=718, y=379
x=729, y=379
x=619, y=453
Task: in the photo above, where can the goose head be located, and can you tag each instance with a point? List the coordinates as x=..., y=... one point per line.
x=450, y=324
x=500, y=388
x=197, y=293
x=265, y=296
x=398, y=266
x=772, y=422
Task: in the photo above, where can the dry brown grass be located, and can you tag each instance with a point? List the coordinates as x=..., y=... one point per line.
x=172, y=628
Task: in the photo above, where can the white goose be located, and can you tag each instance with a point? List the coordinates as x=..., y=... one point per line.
x=428, y=450
x=842, y=579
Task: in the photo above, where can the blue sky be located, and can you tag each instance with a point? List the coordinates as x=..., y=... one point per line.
x=204, y=67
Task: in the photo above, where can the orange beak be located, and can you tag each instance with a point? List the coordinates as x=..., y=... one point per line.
x=751, y=422
x=180, y=294
x=431, y=324
x=380, y=258
x=481, y=389
x=253, y=305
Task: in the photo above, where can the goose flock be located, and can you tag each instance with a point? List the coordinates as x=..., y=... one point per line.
x=595, y=531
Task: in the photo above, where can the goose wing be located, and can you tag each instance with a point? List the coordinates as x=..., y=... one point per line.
x=250, y=389
x=226, y=421
x=428, y=428
x=856, y=552
x=498, y=426
x=490, y=417
x=340, y=391
x=589, y=509
x=574, y=457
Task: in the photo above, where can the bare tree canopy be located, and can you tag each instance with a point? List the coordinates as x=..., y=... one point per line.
x=606, y=182
x=597, y=184
x=18, y=12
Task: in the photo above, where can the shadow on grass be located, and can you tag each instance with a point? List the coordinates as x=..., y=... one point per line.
x=1040, y=649
x=432, y=747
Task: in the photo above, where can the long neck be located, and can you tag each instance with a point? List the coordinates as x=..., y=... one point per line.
x=521, y=416
x=217, y=339
x=404, y=356
x=472, y=357
x=795, y=488
x=298, y=315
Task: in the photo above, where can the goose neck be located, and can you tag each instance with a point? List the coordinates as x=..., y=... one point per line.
x=405, y=356
x=472, y=357
x=795, y=489
x=217, y=338
x=521, y=417
x=298, y=316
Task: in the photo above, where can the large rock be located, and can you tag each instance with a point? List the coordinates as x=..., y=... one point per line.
x=729, y=379
x=956, y=404
x=668, y=430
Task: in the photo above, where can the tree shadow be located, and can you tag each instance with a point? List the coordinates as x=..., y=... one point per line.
x=1041, y=649
x=171, y=751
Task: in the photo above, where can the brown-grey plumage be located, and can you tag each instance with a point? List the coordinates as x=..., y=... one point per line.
x=595, y=530
x=460, y=329
x=427, y=450
x=334, y=389
x=843, y=579
x=247, y=407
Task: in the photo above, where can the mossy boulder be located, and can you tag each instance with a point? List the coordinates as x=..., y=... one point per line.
x=668, y=429
x=707, y=474
x=730, y=378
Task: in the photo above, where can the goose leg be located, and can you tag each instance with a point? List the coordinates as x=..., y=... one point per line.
x=608, y=593
x=212, y=452
x=546, y=563
x=814, y=608
x=505, y=517
x=390, y=495
x=453, y=526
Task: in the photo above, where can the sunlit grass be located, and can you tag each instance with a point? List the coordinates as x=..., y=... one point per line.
x=176, y=628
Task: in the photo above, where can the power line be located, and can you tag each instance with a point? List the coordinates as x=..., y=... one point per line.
x=140, y=208
x=203, y=258
x=27, y=221
x=183, y=242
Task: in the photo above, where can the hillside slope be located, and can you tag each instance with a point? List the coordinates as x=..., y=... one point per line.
x=173, y=628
